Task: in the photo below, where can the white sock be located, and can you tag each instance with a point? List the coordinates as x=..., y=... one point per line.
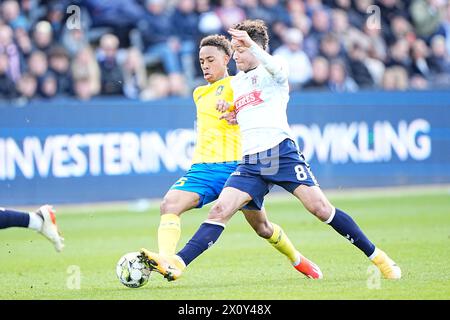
x=180, y=260
x=35, y=221
x=374, y=254
x=297, y=259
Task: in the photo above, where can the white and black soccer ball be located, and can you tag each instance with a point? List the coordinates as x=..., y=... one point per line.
x=131, y=271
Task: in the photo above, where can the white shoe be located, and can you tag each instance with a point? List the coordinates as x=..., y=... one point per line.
x=389, y=269
x=50, y=228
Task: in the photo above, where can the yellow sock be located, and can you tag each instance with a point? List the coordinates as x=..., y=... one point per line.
x=169, y=232
x=281, y=242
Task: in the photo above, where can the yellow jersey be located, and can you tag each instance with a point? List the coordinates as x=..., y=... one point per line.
x=217, y=141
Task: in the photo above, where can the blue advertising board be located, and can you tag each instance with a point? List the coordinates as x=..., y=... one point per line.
x=116, y=149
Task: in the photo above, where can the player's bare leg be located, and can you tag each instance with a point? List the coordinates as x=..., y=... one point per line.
x=175, y=203
x=171, y=267
x=316, y=202
x=280, y=241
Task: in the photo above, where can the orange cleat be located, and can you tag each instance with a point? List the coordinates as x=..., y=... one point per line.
x=309, y=268
x=169, y=267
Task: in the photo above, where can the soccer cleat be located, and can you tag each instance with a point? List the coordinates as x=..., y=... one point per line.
x=167, y=266
x=309, y=268
x=49, y=227
x=388, y=268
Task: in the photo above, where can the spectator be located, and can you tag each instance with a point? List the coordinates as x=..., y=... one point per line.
x=298, y=17
x=59, y=62
x=421, y=63
x=7, y=86
x=395, y=78
x=446, y=27
x=319, y=81
x=229, y=14
x=278, y=20
x=185, y=22
x=27, y=89
x=55, y=16
x=414, y=38
x=441, y=60
x=439, y=56
x=85, y=66
x=111, y=72
x=320, y=26
x=158, y=87
x=401, y=29
x=347, y=34
x=426, y=16
x=377, y=44
x=358, y=68
x=8, y=47
x=83, y=88
x=118, y=15
x=161, y=44
x=43, y=36
x=388, y=10
x=300, y=69
x=358, y=15
x=399, y=55
x=12, y=15
x=38, y=66
x=418, y=82
x=24, y=43
x=49, y=87
x=339, y=80
x=74, y=40
x=134, y=74
x=253, y=10
x=376, y=68
x=209, y=22
x=331, y=48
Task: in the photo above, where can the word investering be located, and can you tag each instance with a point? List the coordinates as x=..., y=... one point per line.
x=94, y=154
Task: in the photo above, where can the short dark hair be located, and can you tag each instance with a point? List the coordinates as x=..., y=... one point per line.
x=256, y=29
x=218, y=41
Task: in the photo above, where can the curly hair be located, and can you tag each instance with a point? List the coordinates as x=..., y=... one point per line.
x=256, y=29
x=218, y=41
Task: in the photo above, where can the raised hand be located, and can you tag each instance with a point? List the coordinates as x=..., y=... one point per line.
x=240, y=37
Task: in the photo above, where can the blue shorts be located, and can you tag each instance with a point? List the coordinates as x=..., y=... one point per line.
x=206, y=179
x=283, y=165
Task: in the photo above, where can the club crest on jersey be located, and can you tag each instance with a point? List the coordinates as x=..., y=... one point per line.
x=219, y=90
x=255, y=79
x=250, y=99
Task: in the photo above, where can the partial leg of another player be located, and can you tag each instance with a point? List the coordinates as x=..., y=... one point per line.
x=43, y=221
x=230, y=201
x=276, y=236
x=315, y=202
x=175, y=203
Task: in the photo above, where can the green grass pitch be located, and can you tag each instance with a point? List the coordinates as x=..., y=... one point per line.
x=412, y=226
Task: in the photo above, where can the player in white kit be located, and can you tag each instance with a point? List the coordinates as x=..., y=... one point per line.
x=270, y=155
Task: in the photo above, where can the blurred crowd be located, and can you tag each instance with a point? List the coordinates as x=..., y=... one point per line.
x=147, y=49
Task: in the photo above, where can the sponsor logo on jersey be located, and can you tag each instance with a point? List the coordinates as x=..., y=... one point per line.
x=250, y=99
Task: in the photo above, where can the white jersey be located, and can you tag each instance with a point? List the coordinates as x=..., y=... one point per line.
x=260, y=99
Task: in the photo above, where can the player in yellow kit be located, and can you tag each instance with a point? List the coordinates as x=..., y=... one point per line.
x=216, y=156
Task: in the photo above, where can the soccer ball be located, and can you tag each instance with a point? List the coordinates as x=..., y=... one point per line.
x=131, y=271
